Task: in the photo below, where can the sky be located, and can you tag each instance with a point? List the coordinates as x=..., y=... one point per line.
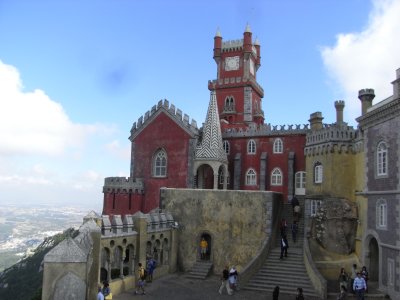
x=75, y=75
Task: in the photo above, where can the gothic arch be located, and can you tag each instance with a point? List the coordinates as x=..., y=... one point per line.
x=62, y=288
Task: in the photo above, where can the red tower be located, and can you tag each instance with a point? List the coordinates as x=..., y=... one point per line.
x=238, y=93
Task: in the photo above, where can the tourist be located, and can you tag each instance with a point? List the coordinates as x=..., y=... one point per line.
x=275, y=293
x=203, y=248
x=225, y=282
x=364, y=274
x=100, y=295
x=295, y=229
x=151, y=265
x=343, y=279
x=106, y=290
x=284, y=246
x=353, y=276
x=299, y=295
x=359, y=286
x=296, y=208
x=343, y=293
x=141, y=280
x=233, y=278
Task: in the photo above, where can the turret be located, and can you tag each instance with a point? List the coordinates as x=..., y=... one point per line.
x=366, y=96
x=247, y=45
x=339, y=105
x=396, y=85
x=217, y=46
x=258, y=60
x=316, y=120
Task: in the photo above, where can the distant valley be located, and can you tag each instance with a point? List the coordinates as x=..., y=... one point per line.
x=22, y=229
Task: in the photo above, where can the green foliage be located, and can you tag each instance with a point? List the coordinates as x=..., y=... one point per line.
x=24, y=279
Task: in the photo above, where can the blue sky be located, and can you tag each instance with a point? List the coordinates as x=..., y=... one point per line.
x=75, y=75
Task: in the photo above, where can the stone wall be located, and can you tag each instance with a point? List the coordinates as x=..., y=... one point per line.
x=238, y=223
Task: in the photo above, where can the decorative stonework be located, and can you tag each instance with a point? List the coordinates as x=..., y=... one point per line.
x=335, y=225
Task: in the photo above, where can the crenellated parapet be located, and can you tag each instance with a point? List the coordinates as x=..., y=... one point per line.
x=332, y=138
x=117, y=225
x=234, y=81
x=232, y=45
x=265, y=130
x=123, y=185
x=171, y=110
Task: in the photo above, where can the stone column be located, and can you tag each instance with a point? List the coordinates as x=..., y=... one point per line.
x=237, y=172
x=291, y=175
x=141, y=227
x=263, y=170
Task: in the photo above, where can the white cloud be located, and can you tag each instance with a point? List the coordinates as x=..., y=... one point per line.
x=367, y=59
x=31, y=122
x=121, y=151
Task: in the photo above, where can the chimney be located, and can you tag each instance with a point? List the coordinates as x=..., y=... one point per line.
x=339, y=105
x=396, y=85
x=316, y=120
x=366, y=96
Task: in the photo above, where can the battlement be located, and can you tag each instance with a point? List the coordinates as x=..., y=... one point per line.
x=123, y=184
x=339, y=104
x=232, y=45
x=174, y=112
x=212, y=84
x=117, y=225
x=265, y=130
x=364, y=92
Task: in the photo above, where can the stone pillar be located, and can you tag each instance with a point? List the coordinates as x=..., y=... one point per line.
x=173, y=251
x=237, y=172
x=215, y=181
x=141, y=227
x=225, y=177
x=132, y=160
x=263, y=170
x=339, y=105
x=291, y=175
x=396, y=85
x=366, y=96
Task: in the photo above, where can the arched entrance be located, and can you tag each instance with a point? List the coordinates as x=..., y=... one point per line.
x=205, y=177
x=373, y=260
x=207, y=238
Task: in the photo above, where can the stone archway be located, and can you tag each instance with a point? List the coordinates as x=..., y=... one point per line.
x=373, y=256
x=205, y=177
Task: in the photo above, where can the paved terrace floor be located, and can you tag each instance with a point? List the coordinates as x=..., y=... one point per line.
x=177, y=287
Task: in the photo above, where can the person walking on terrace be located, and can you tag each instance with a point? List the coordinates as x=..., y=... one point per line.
x=284, y=246
x=225, y=282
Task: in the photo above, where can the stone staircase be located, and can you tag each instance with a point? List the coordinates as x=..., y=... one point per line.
x=200, y=270
x=289, y=273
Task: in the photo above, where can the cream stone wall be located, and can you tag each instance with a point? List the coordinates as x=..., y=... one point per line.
x=237, y=221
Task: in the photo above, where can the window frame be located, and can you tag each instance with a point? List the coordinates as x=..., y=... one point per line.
x=251, y=177
x=278, y=146
x=251, y=147
x=160, y=170
x=381, y=214
x=314, y=206
x=382, y=159
x=318, y=173
x=276, y=177
x=227, y=147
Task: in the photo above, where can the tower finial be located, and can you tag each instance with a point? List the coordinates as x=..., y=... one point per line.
x=257, y=42
x=248, y=29
x=218, y=33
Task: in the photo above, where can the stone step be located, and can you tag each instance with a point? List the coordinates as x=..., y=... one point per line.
x=200, y=270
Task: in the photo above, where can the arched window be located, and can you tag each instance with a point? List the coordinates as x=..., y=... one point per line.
x=160, y=164
x=251, y=147
x=381, y=159
x=227, y=147
x=221, y=177
x=278, y=146
x=318, y=173
x=251, y=177
x=276, y=177
x=229, y=104
x=381, y=214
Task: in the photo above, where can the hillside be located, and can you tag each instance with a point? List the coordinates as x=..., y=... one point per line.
x=23, y=280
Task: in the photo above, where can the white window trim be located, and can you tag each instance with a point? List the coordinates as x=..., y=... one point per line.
x=390, y=271
x=278, y=146
x=251, y=147
x=318, y=173
x=314, y=206
x=251, y=177
x=276, y=177
x=381, y=214
x=158, y=170
x=382, y=159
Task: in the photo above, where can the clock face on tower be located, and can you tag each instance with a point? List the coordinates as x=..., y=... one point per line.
x=232, y=63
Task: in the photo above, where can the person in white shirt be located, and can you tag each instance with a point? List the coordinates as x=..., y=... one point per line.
x=100, y=295
x=359, y=286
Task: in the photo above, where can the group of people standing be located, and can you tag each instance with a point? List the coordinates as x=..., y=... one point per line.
x=356, y=283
